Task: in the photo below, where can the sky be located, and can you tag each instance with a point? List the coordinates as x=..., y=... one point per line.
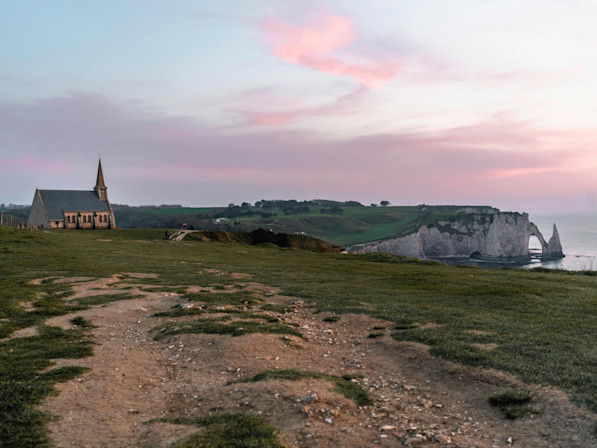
x=204, y=103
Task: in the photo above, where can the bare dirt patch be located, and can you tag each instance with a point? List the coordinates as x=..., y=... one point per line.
x=24, y=333
x=27, y=306
x=419, y=400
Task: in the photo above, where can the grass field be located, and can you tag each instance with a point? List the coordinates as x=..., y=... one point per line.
x=543, y=324
x=354, y=225
x=177, y=210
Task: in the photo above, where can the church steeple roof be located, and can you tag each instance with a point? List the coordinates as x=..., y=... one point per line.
x=100, y=187
x=100, y=177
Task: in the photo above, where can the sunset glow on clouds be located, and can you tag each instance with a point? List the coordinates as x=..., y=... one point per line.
x=460, y=102
x=35, y=165
x=272, y=110
x=317, y=47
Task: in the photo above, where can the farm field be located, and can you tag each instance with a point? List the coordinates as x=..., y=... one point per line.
x=67, y=297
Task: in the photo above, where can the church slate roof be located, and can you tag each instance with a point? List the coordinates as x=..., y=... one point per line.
x=57, y=201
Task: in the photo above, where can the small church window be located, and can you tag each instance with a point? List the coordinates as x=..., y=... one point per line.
x=84, y=218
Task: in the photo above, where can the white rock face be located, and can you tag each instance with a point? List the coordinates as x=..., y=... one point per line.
x=498, y=235
x=554, y=246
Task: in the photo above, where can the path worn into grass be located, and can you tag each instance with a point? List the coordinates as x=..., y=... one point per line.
x=419, y=400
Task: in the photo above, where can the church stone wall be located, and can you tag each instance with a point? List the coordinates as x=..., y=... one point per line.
x=70, y=220
x=37, y=215
x=63, y=214
x=103, y=221
x=56, y=224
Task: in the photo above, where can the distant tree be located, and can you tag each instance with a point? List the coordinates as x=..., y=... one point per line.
x=373, y=205
x=231, y=205
x=384, y=203
x=245, y=205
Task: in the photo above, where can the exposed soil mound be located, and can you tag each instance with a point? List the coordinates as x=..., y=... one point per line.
x=262, y=236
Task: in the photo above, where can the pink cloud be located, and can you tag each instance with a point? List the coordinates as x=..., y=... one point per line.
x=271, y=119
x=31, y=164
x=520, y=172
x=504, y=162
x=316, y=47
x=262, y=108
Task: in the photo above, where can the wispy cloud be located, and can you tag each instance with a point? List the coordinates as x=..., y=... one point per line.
x=153, y=158
x=30, y=164
x=264, y=107
x=318, y=47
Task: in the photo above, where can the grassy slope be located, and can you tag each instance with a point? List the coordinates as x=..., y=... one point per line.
x=177, y=211
x=354, y=225
x=543, y=322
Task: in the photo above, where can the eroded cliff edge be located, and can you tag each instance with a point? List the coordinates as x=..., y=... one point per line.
x=486, y=233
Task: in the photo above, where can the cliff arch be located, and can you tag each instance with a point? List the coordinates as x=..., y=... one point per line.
x=491, y=235
x=534, y=231
x=549, y=249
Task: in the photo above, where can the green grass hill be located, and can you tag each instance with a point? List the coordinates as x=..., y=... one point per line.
x=340, y=223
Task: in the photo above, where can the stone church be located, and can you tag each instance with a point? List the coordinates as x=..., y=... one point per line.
x=73, y=209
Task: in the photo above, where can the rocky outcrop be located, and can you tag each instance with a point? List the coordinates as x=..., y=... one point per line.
x=491, y=235
x=554, y=246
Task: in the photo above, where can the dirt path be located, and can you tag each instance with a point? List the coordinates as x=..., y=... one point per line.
x=419, y=400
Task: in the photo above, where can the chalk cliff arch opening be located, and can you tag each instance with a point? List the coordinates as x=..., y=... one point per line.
x=551, y=249
x=535, y=247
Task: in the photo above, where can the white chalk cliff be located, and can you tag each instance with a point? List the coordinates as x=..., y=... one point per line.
x=492, y=236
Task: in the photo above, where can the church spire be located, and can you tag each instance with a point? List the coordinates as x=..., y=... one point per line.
x=100, y=186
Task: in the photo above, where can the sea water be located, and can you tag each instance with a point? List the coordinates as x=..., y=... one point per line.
x=578, y=234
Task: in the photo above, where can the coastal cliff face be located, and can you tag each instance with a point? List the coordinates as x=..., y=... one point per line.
x=492, y=236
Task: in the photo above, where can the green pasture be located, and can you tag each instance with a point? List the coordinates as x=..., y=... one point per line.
x=176, y=210
x=543, y=323
x=354, y=225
